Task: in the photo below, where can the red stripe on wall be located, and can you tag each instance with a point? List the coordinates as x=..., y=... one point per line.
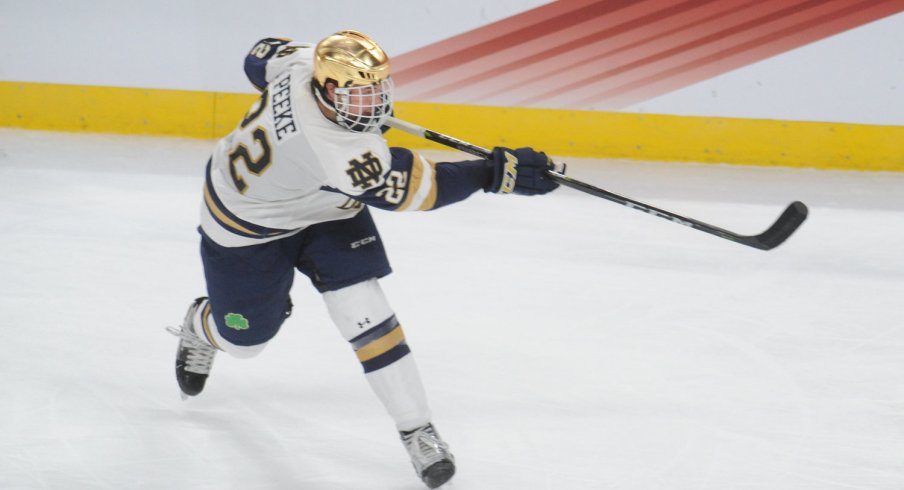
x=729, y=59
x=599, y=51
x=513, y=47
x=745, y=37
x=493, y=37
x=607, y=54
x=540, y=57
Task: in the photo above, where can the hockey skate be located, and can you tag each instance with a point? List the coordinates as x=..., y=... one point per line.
x=430, y=455
x=194, y=356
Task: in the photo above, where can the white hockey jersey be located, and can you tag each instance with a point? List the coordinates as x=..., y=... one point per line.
x=286, y=166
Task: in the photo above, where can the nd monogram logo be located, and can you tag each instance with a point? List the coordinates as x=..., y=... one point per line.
x=365, y=171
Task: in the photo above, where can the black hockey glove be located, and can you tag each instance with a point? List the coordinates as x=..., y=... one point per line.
x=522, y=171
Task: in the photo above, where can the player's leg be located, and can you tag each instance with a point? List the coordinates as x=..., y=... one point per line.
x=344, y=259
x=248, y=290
x=365, y=320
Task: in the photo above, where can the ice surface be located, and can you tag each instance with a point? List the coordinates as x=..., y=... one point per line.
x=566, y=342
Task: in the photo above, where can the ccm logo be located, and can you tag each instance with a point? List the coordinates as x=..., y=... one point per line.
x=364, y=241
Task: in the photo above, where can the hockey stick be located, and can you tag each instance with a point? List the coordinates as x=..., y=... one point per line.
x=784, y=226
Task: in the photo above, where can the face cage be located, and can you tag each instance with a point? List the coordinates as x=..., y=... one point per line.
x=364, y=108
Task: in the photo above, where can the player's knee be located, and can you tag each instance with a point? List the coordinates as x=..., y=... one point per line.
x=357, y=308
x=245, y=333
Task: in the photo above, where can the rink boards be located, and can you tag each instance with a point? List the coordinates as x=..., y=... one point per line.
x=594, y=134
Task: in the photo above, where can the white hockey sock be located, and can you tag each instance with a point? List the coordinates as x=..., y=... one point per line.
x=365, y=319
x=205, y=328
x=400, y=389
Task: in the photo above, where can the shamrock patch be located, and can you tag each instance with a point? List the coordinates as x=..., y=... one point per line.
x=236, y=321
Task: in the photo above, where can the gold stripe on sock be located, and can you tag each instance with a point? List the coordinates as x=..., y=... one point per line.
x=381, y=345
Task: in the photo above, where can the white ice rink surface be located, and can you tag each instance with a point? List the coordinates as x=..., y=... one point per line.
x=566, y=342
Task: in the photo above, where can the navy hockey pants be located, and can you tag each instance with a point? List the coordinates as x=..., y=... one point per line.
x=249, y=286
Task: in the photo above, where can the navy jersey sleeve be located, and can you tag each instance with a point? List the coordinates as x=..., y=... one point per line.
x=414, y=183
x=256, y=61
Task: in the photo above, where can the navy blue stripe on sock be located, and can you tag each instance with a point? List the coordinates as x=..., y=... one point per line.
x=387, y=358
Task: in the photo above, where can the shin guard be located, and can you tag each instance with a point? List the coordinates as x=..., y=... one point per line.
x=365, y=320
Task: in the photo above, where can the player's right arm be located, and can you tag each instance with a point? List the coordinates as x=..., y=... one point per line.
x=414, y=183
x=269, y=57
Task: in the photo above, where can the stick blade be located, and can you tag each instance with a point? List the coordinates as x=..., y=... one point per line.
x=793, y=216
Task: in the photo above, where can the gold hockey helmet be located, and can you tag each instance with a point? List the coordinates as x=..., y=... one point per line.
x=350, y=58
x=359, y=68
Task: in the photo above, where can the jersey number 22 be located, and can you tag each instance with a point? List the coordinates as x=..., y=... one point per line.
x=257, y=165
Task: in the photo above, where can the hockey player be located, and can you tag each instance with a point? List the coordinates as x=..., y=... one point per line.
x=290, y=189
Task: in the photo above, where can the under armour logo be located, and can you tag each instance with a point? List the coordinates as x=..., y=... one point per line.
x=365, y=322
x=366, y=171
